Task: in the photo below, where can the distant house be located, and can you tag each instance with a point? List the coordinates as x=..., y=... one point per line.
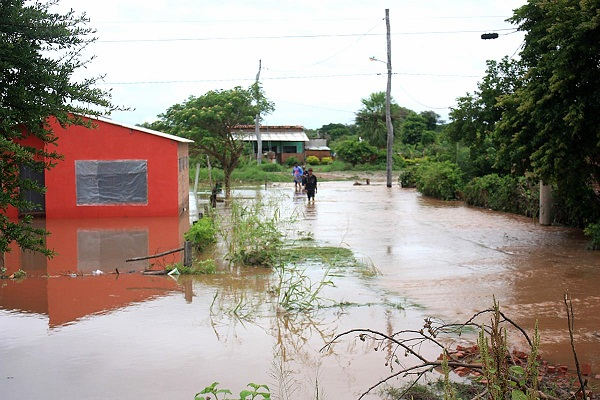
x=114, y=170
x=318, y=148
x=278, y=142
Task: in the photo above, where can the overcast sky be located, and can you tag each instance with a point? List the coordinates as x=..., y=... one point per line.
x=314, y=53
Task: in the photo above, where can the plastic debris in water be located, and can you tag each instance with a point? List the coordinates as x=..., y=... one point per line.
x=97, y=272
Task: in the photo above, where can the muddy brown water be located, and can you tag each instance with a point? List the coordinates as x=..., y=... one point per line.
x=110, y=336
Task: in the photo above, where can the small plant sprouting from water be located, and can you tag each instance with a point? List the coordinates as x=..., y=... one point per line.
x=20, y=274
x=199, y=267
x=253, y=233
x=296, y=291
x=255, y=391
x=202, y=233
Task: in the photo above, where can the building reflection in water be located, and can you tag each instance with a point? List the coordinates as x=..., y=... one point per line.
x=66, y=288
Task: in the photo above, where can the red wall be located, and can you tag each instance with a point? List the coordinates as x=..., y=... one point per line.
x=114, y=142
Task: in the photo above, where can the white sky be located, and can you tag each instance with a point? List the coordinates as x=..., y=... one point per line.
x=314, y=53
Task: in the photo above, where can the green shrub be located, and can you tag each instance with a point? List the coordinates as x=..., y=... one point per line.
x=507, y=193
x=439, y=179
x=326, y=160
x=593, y=230
x=356, y=152
x=291, y=161
x=407, y=178
x=202, y=233
x=270, y=167
x=313, y=160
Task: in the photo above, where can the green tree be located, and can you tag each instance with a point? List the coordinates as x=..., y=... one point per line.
x=551, y=124
x=356, y=152
x=432, y=119
x=39, y=53
x=370, y=120
x=413, y=128
x=473, y=121
x=210, y=120
x=334, y=131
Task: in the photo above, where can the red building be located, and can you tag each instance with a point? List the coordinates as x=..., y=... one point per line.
x=115, y=170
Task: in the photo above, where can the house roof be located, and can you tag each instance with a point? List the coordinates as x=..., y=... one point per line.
x=273, y=133
x=323, y=148
x=145, y=130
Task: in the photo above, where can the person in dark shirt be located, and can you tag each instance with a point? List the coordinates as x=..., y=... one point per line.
x=311, y=185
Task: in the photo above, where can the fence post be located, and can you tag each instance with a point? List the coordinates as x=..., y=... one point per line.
x=187, y=254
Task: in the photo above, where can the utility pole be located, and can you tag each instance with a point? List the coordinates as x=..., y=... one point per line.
x=257, y=121
x=388, y=106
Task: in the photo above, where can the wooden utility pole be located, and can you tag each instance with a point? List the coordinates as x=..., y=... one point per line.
x=388, y=106
x=545, y=203
x=257, y=122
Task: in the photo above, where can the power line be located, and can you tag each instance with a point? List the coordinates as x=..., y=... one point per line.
x=296, y=36
x=286, y=77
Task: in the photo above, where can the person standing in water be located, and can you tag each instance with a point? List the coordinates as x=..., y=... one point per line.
x=311, y=185
x=297, y=174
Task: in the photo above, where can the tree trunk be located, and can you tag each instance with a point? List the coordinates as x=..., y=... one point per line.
x=227, y=182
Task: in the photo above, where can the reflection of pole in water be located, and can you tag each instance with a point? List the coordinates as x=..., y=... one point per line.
x=188, y=292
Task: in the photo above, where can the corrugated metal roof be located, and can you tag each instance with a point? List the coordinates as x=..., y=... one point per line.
x=145, y=130
x=318, y=148
x=275, y=136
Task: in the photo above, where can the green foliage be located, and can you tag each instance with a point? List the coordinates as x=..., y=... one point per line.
x=326, y=160
x=199, y=267
x=333, y=132
x=202, y=233
x=439, y=179
x=475, y=119
x=20, y=274
x=508, y=193
x=297, y=291
x=502, y=380
x=313, y=160
x=371, y=119
x=40, y=56
x=252, y=233
x=210, y=119
x=356, y=152
x=271, y=167
x=413, y=128
x=291, y=161
x=255, y=392
x=336, y=165
x=593, y=231
x=407, y=178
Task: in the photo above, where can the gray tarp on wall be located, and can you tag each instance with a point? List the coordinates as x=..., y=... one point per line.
x=111, y=182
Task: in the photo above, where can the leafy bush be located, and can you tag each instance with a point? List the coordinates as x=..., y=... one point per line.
x=326, y=160
x=439, y=179
x=203, y=233
x=336, y=165
x=356, y=152
x=291, y=161
x=313, y=160
x=593, y=230
x=407, y=178
x=270, y=167
x=508, y=193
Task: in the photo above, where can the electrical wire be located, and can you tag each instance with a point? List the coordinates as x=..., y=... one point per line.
x=295, y=36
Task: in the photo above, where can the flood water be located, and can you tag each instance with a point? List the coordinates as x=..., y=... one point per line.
x=66, y=333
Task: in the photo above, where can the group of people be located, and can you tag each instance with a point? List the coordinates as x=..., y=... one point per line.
x=305, y=180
